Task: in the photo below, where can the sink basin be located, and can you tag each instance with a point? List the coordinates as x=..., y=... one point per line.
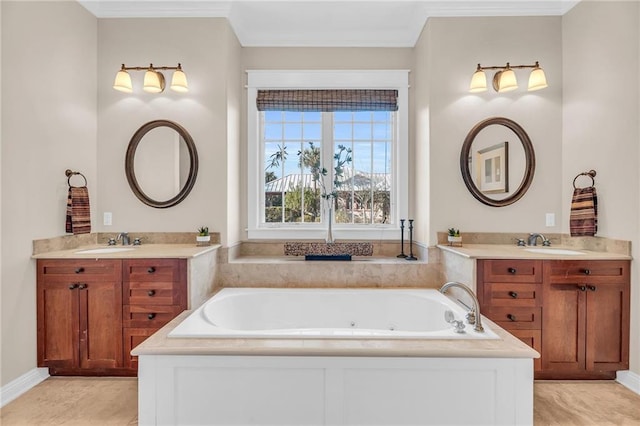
x=556, y=251
x=104, y=250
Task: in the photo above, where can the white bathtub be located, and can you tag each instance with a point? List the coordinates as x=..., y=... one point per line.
x=327, y=313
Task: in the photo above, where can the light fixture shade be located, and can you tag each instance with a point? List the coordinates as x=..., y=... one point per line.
x=123, y=82
x=537, y=79
x=478, y=82
x=505, y=80
x=153, y=81
x=179, y=81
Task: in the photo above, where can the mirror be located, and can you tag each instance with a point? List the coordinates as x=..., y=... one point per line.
x=497, y=161
x=161, y=163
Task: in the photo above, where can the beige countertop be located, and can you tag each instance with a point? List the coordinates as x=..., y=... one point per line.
x=503, y=251
x=505, y=347
x=180, y=251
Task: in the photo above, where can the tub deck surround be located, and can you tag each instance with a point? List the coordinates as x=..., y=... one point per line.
x=295, y=248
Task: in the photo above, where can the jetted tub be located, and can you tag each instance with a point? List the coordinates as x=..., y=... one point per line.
x=327, y=313
x=332, y=357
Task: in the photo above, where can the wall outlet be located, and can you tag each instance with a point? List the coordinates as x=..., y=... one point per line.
x=107, y=219
x=550, y=219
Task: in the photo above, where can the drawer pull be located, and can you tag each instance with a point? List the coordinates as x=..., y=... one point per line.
x=512, y=270
x=513, y=294
x=73, y=286
x=586, y=271
x=82, y=286
x=582, y=288
x=151, y=293
x=79, y=270
x=592, y=287
x=511, y=317
x=151, y=316
x=151, y=270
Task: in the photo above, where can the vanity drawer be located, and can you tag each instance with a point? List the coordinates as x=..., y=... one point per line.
x=153, y=270
x=511, y=271
x=149, y=316
x=77, y=268
x=153, y=294
x=592, y=271
x=512, y=294
x=515, y=318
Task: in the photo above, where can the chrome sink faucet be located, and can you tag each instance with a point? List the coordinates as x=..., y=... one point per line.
x=533, y=239
x=125, y=238
x=473, y=317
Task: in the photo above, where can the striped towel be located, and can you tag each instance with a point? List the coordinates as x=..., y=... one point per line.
x=78, y=219
x=584, y=212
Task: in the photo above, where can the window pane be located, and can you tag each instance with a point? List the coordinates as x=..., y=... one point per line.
x=342, y=116
x=293, y=131
x=312, y=132
x=362, y=116
x=362, y=131
x=293, y=116
x=272, y=116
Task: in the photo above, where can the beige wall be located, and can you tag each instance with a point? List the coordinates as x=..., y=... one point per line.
x=49, y=125
x=453, y=48
x=208, y=52
x=601, y=51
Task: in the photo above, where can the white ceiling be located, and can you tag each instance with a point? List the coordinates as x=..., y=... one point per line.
x=361, y=23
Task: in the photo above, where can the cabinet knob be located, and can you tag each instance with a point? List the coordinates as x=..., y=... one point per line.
x=79, y=270
x=592, y=287
x=511, y=317
x=151, y=293
x=586, y=271
x=512, y=270
x=73, y=286
x=582, y=288
x=513, y=294
x=151, y=270
x=82, y=286
x=151, y=316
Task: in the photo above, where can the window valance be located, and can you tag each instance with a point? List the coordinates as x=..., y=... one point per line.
x=328, y=100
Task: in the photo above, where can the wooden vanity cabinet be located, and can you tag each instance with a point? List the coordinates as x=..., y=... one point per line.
x=574, y=313
x=510, y=294
x=79, y=308
x=585, y=319
x=91, y=313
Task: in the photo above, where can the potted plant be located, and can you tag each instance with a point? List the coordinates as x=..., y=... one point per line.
x=203, y=238
x=454, y=237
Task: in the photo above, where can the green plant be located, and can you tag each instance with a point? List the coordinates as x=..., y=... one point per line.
x=454, y=232
x=203, y=231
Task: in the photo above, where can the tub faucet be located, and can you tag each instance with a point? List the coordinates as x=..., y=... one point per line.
x=533, y=238
x=125, y=238
x=473, y=317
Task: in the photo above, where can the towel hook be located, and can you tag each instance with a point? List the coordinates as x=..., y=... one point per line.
x=69, y=174
x=590, y=173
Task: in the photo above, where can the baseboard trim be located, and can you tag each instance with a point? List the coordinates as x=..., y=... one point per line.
x=629, y=379
x=17, y=387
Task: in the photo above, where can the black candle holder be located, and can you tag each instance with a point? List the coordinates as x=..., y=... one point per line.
x=411, y=256
x=402, y=255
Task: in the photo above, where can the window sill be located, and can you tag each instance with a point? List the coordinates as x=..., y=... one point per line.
x=296, y=233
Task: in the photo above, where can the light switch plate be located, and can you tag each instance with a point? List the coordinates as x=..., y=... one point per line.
x=107, y=219
x=550, y=219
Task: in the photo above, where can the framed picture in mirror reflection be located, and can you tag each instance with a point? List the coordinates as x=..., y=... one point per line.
x=493, y=169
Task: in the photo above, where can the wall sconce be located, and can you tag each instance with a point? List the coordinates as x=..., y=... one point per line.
x=505, y=79
x=153, y=79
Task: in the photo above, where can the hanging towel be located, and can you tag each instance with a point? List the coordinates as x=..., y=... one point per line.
x=584, y=212
x=78, y=212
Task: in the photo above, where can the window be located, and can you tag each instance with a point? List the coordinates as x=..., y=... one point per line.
x=299, y=153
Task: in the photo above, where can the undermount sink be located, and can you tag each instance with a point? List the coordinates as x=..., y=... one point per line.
x=548, y=250
x=104, y=250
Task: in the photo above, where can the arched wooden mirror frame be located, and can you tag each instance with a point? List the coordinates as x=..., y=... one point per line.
x=530, y=161
x=130, y=169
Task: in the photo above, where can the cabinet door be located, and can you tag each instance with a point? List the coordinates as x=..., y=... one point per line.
x=533, y=339
x=58, y=323
x=100, y=324
x=607, y=328
x=563, y=328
